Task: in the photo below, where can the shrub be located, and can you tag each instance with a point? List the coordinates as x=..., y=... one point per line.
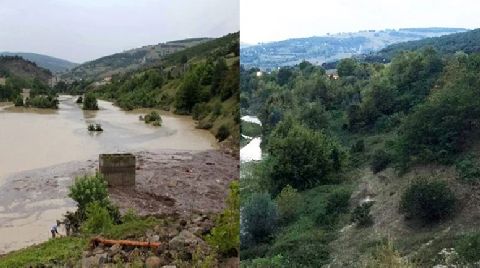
x=468, y=247
x=89, y=189
x=79, y=100
x=268, y=262
x=41, y=101
x=154, y=118
x=428, y=201
x=222, y=133
x=468, y=168
x=98, y=127
x=19, y=101
x=98, y=219
x=338, y=201
x=380, y=161
x=259, y=219
x=225, y=236
x=91, y=127
x=288, y=202
x=301, y=157
x=361, y=214
x=90, y=102
x=358, y=147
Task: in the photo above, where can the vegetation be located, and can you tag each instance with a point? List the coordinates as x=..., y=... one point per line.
x=329, y=136
x=225, y=237
x=259, y=220
x=152, y=118
x=90, y=102
x=201, y=81
x=428, y=201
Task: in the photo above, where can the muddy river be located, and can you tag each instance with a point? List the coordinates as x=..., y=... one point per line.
x=40, y=148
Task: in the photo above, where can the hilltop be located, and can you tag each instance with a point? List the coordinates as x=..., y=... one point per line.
x=55, y=65
x=321, y=49
x=129, y=60
x=467, y=42
x=15, y=66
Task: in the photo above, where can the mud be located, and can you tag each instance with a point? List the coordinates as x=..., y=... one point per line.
x=167, y=182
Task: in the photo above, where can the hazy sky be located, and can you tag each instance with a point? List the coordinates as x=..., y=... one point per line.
x=271, y=20
x=81, y=30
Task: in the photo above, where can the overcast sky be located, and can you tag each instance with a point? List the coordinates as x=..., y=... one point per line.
x=82, y=30
x=272, y=20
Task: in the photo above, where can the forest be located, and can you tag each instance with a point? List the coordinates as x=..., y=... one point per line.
x=345, y=155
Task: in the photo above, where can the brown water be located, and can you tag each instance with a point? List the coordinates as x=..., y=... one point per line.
x=37, y=138
x=41, y=149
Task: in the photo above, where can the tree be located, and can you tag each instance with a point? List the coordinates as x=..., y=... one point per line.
x=346, y=67
x=259, y=218
x=188, y=94
x=90, y=102
x=219, y=71
x=301, y=157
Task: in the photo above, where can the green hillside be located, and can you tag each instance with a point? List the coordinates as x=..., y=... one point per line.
x=376, y=168
x=55, y=65
x=467, y=42
x=201, y=81
x=129, y=60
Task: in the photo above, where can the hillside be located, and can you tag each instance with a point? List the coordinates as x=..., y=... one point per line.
x=378, y=167
x=318, y=50
x=24, y=69
x=467, y=42
x=201, y=81
x=129, y=60
x=55, y=65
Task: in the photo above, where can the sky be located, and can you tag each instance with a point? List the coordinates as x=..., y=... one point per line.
x=83, y=30
x=273, y=20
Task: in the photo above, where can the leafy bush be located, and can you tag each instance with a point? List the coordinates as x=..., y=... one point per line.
x=79, y=100
x=225, y=236
x=19, y=101
x=380, y=161
x=429, y=201
x=42, y=101
x=259, y=219
x=222, y=133
x=468, y=247
x=268, y=262
x=338, y=201
x=90, y=102
x=301, y=157
x=468, y=168
x=288, y=202
x=358, y=147
x=361, y=214
x=154, y=118
x=98, y=219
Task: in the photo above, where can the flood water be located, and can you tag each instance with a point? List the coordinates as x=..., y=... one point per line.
x=40, y=148
x=251, y=151
x=37, y=138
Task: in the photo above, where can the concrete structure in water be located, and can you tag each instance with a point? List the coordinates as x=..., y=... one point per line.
x=118, y=169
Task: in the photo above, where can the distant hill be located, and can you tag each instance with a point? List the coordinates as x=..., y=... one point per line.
x=129, y=60
x=468, y=42
x=18, y=67
x=328, y=48
x=55, y=65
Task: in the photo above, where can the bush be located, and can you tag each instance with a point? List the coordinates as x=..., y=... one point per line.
x=429, y=201
x=98, y=219
x=358, y=147
x=468, y=247
x=361, y=214
x=301, y=157
x=19, y=101
x=222, y=133
x=259, y=219
x=338, y=201
x=288, y=202
x=41, y=101
x=468, y=168
x=79, y=100
x=269, y=262
x=153, y=117
x=380, y=161
x=89, y=189
x=225, y=236
x=90, y=102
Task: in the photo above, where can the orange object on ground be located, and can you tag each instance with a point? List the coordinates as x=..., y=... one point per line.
x=110, y=242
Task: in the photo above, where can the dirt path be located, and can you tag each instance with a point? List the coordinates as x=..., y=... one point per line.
x=167, y=182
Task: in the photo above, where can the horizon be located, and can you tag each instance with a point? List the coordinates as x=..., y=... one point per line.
x=358, y=31
x=82, y=31
x=317, y=18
